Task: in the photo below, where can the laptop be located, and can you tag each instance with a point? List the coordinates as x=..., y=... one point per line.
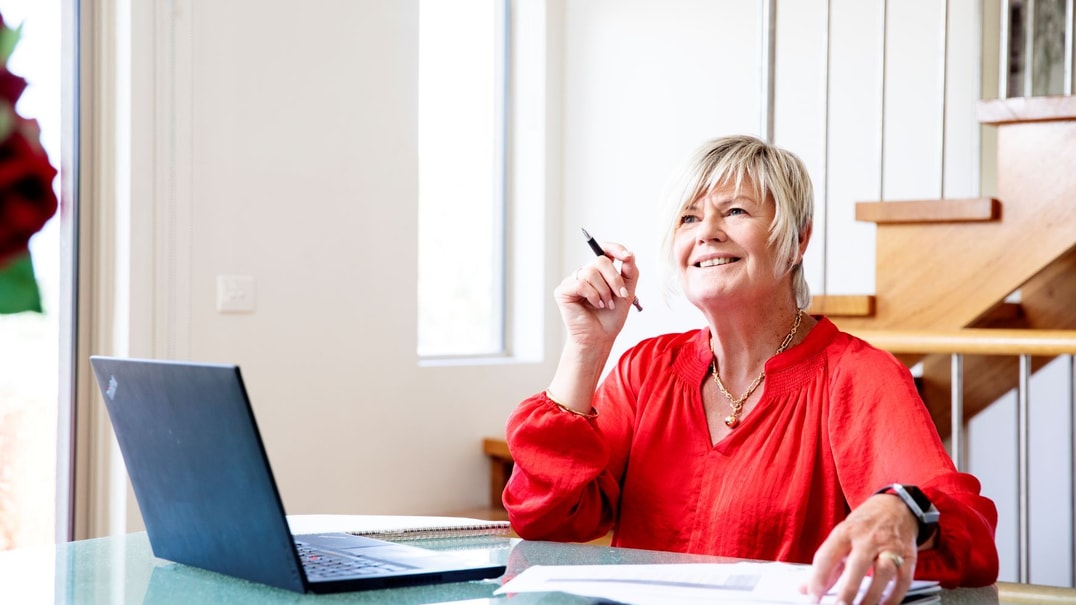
x=207, y=494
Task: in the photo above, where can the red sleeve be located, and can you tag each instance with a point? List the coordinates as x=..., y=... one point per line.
x=565, y=485
x=964, y=553
x=882, y=433
x=559, y=488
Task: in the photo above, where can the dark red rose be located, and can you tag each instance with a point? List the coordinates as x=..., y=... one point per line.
x=27, y=200
x=11, y=86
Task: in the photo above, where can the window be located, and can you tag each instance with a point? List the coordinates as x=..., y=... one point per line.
x=461, y=125
x=29, y=342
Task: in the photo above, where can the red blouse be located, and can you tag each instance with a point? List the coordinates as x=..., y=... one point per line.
x=838, y=419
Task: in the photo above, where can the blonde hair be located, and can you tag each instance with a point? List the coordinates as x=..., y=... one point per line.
x=775, y=173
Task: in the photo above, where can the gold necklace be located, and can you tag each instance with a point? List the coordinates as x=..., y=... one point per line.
x=733, y=419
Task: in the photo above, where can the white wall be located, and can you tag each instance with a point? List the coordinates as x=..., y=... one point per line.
x=285, y=149
x=645, y=82
x=283, y=146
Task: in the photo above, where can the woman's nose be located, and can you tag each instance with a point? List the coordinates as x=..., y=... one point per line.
x=711, y=228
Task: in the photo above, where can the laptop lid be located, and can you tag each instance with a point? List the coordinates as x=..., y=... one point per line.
x=203, y=481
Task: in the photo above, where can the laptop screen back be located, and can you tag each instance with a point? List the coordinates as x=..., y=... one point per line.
x=199, y=468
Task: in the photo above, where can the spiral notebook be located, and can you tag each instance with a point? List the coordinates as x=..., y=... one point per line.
x=399, y=528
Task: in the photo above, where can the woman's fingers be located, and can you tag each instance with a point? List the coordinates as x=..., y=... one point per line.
x=827, y=567
x=624, y=276
x=855, y=569
x=601, y=283
x=877, y=537
x=904, y=570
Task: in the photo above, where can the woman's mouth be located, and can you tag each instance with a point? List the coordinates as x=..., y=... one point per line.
x=713, y=262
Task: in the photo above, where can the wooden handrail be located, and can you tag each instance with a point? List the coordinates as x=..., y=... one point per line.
x=973, y=341
x=1011, y=592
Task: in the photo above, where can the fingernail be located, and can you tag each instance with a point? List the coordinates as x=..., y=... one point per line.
x=624, y=292
x=612, y=304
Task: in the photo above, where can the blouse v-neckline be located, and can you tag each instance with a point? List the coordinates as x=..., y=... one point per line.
x=697, y=370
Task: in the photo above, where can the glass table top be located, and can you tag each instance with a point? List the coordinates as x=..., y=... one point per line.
x=123, y=569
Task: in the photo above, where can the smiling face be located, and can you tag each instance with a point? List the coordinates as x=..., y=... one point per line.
x=739, y=220
x=723, y=248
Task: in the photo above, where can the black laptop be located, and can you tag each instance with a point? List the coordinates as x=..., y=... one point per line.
x=207, y=494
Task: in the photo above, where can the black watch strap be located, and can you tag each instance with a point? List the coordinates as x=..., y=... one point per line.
x=921, y=507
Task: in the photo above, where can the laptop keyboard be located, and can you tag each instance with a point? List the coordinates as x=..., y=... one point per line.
x=326, y=564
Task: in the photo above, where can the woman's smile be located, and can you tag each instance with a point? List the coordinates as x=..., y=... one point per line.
x=716, y=262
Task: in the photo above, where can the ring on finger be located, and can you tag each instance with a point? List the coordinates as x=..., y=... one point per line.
x=894, y=557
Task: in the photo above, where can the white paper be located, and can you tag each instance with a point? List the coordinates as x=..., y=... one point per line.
x=751, y=583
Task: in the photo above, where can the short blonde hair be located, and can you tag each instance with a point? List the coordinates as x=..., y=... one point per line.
x=775, y=173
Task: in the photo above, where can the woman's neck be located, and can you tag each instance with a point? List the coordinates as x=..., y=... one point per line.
x=744, y=337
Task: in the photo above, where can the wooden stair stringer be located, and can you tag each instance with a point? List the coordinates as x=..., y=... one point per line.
x=974, y=267
x=1046, y=304
x=945, y=275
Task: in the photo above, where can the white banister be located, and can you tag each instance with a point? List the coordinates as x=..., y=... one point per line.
x=1029, y=48
x=1068, y=58
x=957, y=413
x=1023, y=527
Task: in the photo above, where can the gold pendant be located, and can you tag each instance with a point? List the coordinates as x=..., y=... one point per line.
x=732, y=421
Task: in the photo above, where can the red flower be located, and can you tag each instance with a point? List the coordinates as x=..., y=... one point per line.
x=27, y=199
x=11, y=86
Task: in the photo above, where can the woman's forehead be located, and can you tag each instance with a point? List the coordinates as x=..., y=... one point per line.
x=728, y=188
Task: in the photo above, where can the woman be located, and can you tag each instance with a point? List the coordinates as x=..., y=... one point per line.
x=768, y=434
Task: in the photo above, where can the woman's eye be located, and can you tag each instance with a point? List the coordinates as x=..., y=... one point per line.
x=736, y=211
x=688, y=218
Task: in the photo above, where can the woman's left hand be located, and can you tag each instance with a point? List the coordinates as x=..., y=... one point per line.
x=879, y=534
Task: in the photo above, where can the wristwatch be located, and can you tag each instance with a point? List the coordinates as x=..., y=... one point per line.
x=917, y=502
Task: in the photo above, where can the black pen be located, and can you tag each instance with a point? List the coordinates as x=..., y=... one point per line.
x=599, y=252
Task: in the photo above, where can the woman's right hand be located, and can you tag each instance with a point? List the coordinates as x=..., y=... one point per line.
x=594, y=300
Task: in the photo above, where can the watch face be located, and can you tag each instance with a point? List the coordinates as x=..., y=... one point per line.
x=920, y=498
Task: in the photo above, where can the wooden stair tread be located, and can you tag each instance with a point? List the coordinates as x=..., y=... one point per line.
x=496, y=448
x=929, y=211
x=1027, y=109
x=500, y=469
x=842, y=305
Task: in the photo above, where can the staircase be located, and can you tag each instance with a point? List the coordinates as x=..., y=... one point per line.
x=951, y=264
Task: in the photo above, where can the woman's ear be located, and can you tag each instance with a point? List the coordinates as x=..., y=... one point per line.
x=805, y=238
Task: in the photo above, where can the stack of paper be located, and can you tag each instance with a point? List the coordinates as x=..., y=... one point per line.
x=749, y=583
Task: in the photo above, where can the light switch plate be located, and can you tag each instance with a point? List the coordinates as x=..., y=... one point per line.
x=235, y=293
